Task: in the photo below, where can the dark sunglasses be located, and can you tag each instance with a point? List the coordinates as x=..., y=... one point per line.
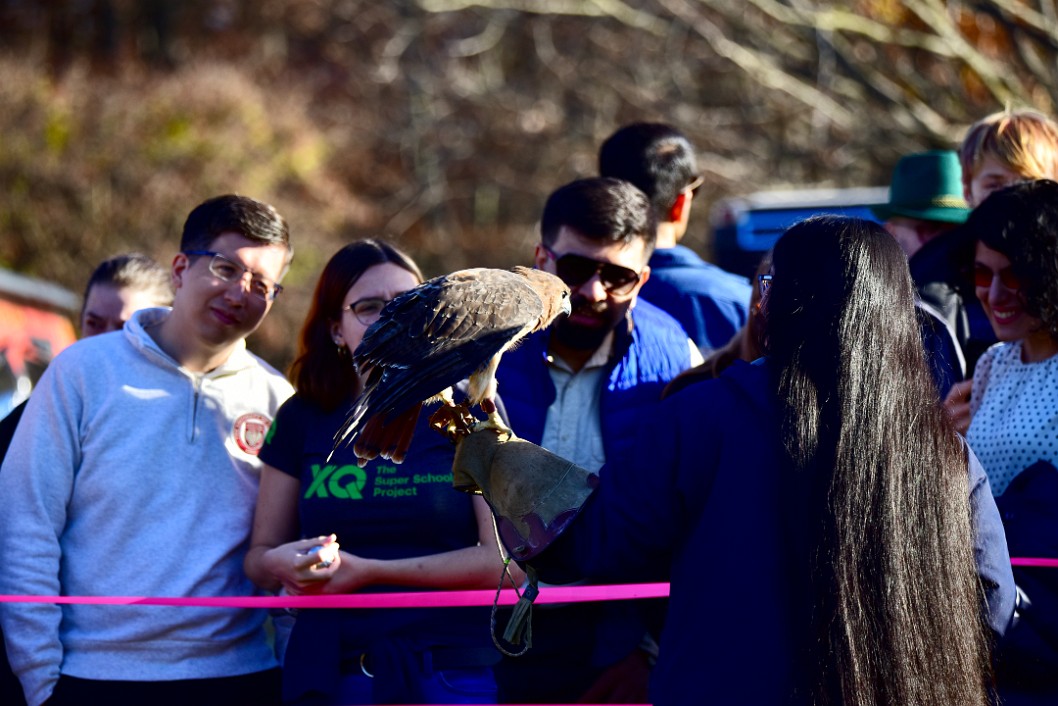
x=575, y=270
x=983, y=277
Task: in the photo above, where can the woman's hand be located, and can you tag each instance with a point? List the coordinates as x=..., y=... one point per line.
x=304, y=566
x=957, y=405
x=353, y=574
x=476, y=566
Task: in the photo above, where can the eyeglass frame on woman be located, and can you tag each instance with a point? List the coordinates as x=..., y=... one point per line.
x=351, y=308
x=273, y=288
x=1006, y=277
x=600, y=268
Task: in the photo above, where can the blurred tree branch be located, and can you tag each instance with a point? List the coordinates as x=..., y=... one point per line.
x=444, y=124
x=937, y=16
x=577, y=8
x=760, y=67
x=1044, y=25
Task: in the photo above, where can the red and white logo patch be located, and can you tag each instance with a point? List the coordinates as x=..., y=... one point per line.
x=249, y=432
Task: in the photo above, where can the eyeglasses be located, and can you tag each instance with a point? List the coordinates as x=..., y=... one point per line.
x=367, y=310
x=695, y=184
x=983, y=277
x=575, y=270
x=764, y=282
x=227, y=270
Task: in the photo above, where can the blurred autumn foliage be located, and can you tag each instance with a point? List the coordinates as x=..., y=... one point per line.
x=444, y=124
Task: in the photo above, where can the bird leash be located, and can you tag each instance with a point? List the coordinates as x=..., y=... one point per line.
x=534, y=495
x=519, y=630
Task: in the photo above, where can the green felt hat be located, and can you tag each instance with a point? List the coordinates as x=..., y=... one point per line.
x=928, y=186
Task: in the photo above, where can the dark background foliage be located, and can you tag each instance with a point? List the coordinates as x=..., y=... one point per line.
x=444, y=124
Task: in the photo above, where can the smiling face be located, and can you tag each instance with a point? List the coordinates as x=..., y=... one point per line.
x=375, y=287
x=595, y=311
x=1004, y=306
x=210, y=315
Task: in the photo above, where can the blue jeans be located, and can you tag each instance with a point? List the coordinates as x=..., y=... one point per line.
x=450, y=686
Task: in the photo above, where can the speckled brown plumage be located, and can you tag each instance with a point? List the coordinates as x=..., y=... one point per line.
x=435, y=335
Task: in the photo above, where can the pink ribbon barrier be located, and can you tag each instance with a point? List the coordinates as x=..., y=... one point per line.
x=1034, y=561
x=424, y=599
x=434, y=599
x=437, y=599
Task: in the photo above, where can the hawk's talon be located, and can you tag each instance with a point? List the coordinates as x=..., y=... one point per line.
x=453, y=421
x=494, y=423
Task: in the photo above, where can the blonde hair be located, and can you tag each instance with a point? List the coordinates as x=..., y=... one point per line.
x=1024, y=140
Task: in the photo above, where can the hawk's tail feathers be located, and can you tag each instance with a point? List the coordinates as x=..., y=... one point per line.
x=388, y=438
x=351, y=429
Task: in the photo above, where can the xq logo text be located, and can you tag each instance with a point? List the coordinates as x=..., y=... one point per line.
x=344, y=482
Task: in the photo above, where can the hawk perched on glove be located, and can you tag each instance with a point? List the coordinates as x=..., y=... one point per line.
x=431, y=337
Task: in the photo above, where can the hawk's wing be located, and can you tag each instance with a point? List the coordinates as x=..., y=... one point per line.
x=433, y=336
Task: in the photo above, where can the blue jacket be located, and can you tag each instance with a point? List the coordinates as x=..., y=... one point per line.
x=710, y=503
x=710, y=303
x=648, y=354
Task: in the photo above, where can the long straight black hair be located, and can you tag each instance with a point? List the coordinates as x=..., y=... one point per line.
x=896, y=613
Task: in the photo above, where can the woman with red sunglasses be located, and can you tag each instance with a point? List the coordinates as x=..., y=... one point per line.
x=1012, y=416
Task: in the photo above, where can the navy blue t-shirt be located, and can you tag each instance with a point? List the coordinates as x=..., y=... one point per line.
x=383, y=511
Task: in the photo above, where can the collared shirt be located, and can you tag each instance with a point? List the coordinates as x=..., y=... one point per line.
x=573, y=428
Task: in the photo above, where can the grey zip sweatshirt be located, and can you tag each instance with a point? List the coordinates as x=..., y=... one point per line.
x=130, y=476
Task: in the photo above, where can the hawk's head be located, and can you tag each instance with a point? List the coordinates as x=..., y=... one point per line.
x=553, y=293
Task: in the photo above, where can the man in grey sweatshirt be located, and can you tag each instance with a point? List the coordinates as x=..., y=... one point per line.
x=134, y=471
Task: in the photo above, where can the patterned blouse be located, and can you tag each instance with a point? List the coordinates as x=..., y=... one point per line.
x=1015, y=413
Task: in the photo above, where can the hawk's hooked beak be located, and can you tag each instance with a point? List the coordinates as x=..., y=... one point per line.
x=567, y=307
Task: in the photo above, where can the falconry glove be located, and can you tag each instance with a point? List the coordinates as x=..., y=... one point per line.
x=534, y=495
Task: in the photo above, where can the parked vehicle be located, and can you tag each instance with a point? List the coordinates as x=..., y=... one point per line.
x=746, y=227
x=36, y=323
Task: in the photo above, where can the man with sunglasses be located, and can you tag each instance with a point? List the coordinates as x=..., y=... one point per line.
x=710, y=303
x=134, y=471
x=580, y=389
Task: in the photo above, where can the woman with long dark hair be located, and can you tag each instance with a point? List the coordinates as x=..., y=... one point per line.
x=399, y=525
x=882, y=476
x=823, y=538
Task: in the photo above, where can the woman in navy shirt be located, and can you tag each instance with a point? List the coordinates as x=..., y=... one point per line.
x=400, y=526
